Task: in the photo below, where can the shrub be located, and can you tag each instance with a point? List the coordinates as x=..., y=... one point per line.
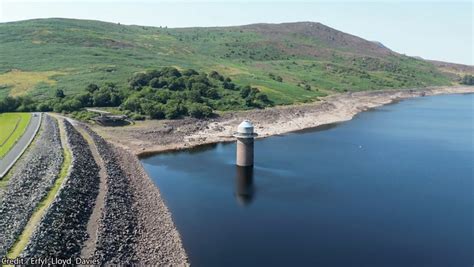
x=177, y=84
x=245, y=91
x=106, y=97
x=44, y=107
x=60, y=93
x=216, y=76
x=189, y=72
x=22, y=103
x=26, y=104
x=174, y=109
x=137, y=117
x=211, y=93
x=101, y=98
x=468, y=79
x=158, y=112
x=138, y=80
x=228, y=85
x=199, y=111
x=170, y=72
x=155, y=83
x=91, y=88
x=132, y=103
x=67, y=106
x=155, y=111
x=83, y=115
x=275, y=77
x=193, y=96
x=85, y=99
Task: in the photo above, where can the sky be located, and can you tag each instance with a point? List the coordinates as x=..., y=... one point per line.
x=438, y=30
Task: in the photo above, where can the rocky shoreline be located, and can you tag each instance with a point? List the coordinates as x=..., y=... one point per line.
x=158, y=240
x=136, y=227
x=118, y=224
x=151, y=137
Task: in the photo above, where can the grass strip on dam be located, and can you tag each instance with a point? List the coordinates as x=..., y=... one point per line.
x=13, y=126
x=40, y=210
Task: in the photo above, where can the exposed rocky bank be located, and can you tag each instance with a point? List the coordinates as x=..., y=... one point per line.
x=62, y=230
x=150, y=137
x=136, y=226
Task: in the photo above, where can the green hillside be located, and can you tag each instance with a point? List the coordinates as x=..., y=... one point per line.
x=290, y=62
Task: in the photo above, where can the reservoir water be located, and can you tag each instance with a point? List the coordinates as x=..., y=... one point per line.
x=392, y=187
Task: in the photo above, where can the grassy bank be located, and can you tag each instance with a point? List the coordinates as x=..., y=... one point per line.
x=12, y=126
x=291, y=62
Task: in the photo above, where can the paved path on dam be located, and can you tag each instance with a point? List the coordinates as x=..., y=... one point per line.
x=17, y=150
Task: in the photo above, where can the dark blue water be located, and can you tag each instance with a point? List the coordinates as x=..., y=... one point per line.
x=392, y=187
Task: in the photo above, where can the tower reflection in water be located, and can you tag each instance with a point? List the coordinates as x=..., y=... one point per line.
x=244, y=187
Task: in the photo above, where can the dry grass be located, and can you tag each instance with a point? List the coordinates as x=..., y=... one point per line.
x=23, y=81
x=231, y=71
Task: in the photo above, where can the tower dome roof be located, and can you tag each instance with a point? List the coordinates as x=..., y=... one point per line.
x=245, y=129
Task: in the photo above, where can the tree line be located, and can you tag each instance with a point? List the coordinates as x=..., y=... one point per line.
x=165, y=93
